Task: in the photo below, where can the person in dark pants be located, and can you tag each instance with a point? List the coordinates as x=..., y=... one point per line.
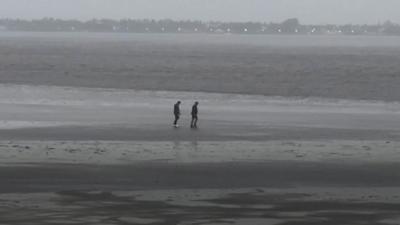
x=177, y=113
x=195, y=111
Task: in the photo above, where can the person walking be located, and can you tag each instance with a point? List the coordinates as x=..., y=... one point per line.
x=177, y=113
x=195, y=111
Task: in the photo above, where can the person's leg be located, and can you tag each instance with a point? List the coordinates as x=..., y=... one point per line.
x=176, y=120
x=192, y=122
x=195, y=121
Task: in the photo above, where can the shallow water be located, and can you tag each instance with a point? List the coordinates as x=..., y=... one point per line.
x=345, y=67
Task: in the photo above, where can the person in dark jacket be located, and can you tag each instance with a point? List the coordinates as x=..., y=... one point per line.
x=177, y=113
x=195, y=111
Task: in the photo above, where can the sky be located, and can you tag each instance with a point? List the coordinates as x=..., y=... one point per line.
x=307, y=11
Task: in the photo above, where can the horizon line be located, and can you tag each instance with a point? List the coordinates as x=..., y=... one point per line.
x=196, y=20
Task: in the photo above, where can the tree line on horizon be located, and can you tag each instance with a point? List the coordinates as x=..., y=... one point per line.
x=289, y=26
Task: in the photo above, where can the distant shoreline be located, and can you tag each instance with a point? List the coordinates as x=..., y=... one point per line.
x=289, y=26
x=189, y=32
x=194, y=33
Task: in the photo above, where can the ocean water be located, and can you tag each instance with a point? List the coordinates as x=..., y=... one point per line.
x=208, y=39
x=332, y=67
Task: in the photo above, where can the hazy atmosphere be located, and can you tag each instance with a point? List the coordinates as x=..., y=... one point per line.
x=124, y=112
x=308, y=11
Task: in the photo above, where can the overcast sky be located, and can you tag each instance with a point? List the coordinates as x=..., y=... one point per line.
x=308, y=11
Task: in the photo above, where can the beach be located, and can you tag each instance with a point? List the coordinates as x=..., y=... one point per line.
x=86, y=140
x=110, y=156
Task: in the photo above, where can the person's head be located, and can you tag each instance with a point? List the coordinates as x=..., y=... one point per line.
x=179, y=102
x=196, y=103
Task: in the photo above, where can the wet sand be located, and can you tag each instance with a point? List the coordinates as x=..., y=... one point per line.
x=271, y=192
x=207, y=206
x=106, y=156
